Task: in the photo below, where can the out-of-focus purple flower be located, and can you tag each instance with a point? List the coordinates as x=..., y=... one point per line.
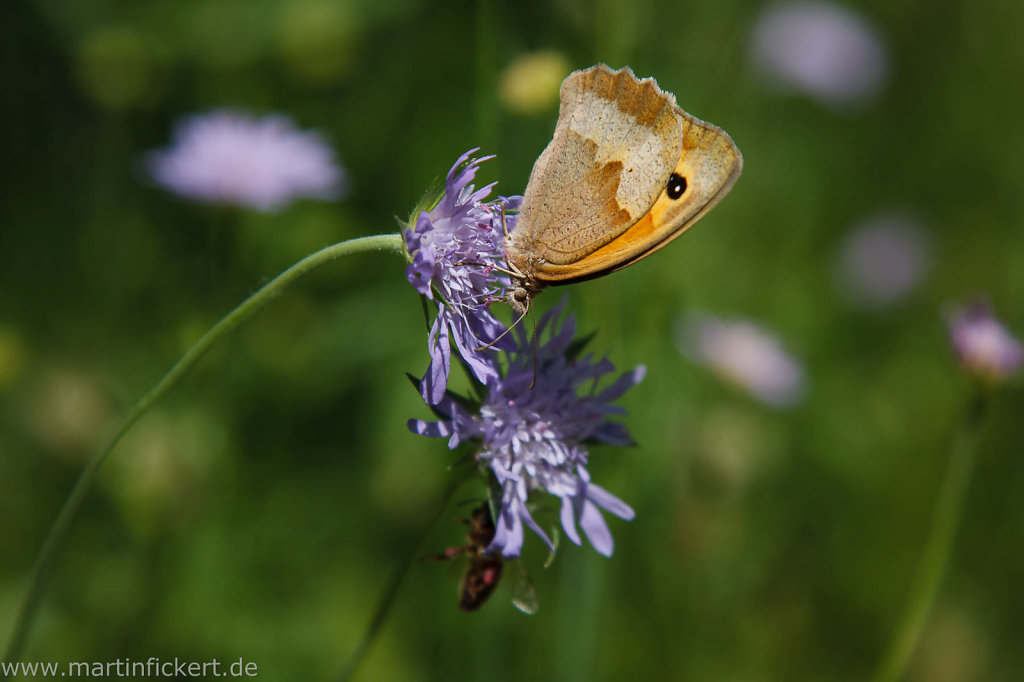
x=824, y=50
x=883, y=258
x=743, y=354
x=533, y=435
x=228, y=157
x=454, y=248
x=985, y=347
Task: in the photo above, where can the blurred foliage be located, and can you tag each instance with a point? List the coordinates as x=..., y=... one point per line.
x=260, y=509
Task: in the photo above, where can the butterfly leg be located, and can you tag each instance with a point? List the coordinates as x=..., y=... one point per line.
x=502, y=335
x=504, y=224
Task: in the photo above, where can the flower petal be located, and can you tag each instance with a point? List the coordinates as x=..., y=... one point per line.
x=596, y=529
x=435, y=379
x=606, y=500
x=568, y=518
x=432, y=429
x=625, y=382
x=528, y=520
x=508, y=534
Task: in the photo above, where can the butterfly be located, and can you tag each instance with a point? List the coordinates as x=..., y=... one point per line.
x=626, y=172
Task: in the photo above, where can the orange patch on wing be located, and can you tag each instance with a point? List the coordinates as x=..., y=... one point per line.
x=691, y=138
x=639, y=233
x=632, y=244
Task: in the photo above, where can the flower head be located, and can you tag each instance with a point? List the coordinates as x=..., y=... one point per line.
x=454, y=248
x=533, y=435
x=824, y=50
x=883, y=259
x=227, y=157
x=985, y=347
x=743, y=354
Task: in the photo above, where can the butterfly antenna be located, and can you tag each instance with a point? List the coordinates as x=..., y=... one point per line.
x=502, y=335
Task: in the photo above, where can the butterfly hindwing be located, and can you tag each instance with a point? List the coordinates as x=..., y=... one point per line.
x=708, y=166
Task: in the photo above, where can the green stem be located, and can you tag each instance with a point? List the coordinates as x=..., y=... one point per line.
x=58, y=532
x=945, y=521
x=391, y=592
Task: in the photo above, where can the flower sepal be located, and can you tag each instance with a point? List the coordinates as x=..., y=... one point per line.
x=427, y=203
x=578, y=345
x=524, y=592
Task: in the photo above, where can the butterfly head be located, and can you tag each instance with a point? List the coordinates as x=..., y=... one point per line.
x=523, y=286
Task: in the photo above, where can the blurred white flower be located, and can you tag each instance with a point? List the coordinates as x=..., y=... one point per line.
x=531, y=81
x=69, y=412
x=985, y=347
x=824, y=50
x=882, y=259
x=742, y=353
x=228, y=157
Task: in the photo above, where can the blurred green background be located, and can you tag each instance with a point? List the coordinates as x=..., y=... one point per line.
x=260, y=510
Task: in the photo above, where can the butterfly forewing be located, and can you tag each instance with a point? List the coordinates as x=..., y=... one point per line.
x=614, y=147
x=708, y=166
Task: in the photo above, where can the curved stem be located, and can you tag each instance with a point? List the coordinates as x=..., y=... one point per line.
x=945, y=521
x=58, y=532
x=391, y=592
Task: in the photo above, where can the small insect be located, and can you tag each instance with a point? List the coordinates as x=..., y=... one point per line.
x=484, y=570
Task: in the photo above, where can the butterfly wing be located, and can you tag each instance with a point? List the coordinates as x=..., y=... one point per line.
x=708, y=165
x=615, y=144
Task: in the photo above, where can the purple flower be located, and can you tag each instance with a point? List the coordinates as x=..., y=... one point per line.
x=533, y=435
x=743, y=354
x=883, y=259
x=985, y=347
x=227, y=157
x=454, y=248
x=824, y=50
